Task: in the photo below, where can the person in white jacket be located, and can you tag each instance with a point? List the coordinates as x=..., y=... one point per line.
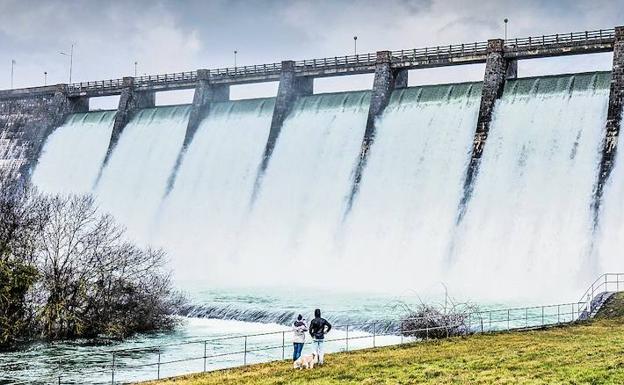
x=299, y=332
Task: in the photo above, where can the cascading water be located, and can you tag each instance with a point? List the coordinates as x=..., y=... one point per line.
x=135, y=179
x=293, y=222
x=202, y=214
x=528, y=219
x=73, y=153
x=527, y=229
x=407, y=204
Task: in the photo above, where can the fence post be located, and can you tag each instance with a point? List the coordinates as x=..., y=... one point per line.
x=245, y=353
x=283, y=345
x=508, y=319
x=205, y=356
x=158, y=374
x=374, y=332
x=401, y=327
x=469, y=323
x=558, y=313
x=427, y=332
x=113, y=370
x=542, y=316
x=526, y=317
x=347, y=339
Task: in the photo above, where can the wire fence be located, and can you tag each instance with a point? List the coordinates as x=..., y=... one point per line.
x=166, y=360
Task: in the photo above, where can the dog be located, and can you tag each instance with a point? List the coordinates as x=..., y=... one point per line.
x=306, y=361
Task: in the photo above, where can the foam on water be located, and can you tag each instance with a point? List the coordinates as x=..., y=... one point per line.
x=73, y=153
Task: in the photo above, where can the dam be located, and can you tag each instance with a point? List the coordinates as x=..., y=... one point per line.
x=479, y=184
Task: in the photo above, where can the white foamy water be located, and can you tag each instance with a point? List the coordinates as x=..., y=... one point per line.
x=133, y=182
x=289, y=235
x=202, y=215
x=401, y=224
x=73, y=153
x=527, y=229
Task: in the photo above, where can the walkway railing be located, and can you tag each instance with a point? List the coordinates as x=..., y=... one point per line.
x=400, y=58
x=561, y=39
x=156, y=362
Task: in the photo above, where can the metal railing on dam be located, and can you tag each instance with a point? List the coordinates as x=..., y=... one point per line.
x=201, y=355
x=520, y=48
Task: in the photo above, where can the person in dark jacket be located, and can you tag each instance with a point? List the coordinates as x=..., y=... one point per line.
x=318, y=328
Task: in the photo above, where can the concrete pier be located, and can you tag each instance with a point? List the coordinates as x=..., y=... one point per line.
x=130, y=101
x=614, y=120
x=290, y=88
x=26, y=123
x=205, y=94
x=386, y=80
x=497, y=70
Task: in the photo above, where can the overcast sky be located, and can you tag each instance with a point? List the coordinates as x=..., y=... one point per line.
x=170, y=36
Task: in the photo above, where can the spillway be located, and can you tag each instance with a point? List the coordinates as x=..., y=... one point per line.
x=134, y=180
x=527, y=231
x=298, y=210
x=203, y=213
x=73, y=153
x=407, y=204
x=528, y=219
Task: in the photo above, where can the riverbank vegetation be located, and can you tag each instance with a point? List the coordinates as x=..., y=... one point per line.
x=67, y=271
x=583, y=353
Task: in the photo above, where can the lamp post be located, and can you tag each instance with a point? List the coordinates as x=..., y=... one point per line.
x=45, y=78
x=135, y=68
x=355, y=45
x=12, y=71
x=71, y=61
x=235, y=52
x=506, y=21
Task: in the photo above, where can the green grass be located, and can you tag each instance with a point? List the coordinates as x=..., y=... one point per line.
x=587, y=353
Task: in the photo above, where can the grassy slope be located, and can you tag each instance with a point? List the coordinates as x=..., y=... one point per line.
x=590, y=353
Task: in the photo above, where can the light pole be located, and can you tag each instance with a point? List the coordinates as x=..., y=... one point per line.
x=45, y=78
x=135, y=68
x=235, y=52
x=71, y=61
x=12, y=70
x=355, y=45
x=506, y=21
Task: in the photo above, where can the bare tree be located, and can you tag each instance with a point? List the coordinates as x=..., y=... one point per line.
x=66, y=271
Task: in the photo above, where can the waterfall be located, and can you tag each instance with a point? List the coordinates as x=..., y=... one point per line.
x=202, y=214
x=73, y=153
x=527, y=226
x=299, y=205
x=408, y=199
x=527, y=229
x=135, y=178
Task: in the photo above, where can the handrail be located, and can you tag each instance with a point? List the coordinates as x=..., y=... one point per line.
x=365, y=60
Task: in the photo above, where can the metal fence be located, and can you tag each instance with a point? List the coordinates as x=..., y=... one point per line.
x=156, y=362
x=566, y=39
x=428, y=54
x=440, y=52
